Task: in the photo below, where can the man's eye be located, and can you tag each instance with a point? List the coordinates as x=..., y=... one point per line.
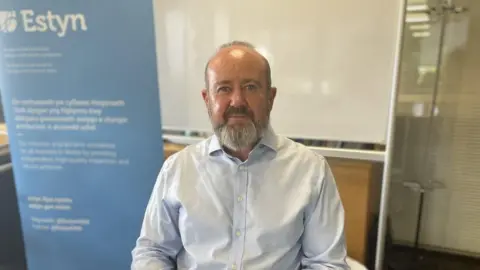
x=223, y=89
x=251, y=87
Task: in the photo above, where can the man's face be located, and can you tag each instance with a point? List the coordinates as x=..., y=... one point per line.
x=238, y=99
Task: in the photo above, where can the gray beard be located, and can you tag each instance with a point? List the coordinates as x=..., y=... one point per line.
x=237, y=138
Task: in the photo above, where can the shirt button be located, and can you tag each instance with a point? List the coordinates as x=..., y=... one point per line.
x=234, y=266
x=238, y=233
x=239, y=198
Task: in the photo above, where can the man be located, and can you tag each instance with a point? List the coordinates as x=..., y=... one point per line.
x=244, y=198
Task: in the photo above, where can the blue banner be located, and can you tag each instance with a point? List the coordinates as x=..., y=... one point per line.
x=80, y=93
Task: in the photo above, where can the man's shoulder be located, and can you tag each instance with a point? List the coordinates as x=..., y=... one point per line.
x=305, y=165
x=194, y=151
x=296, y=150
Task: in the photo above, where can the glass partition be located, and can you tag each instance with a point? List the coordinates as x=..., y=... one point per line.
x=435, y=189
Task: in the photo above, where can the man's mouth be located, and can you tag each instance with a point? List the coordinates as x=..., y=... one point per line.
x=238, y=116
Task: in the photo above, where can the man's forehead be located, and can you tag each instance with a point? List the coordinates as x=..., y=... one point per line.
x=240, y=71
x=236, y=55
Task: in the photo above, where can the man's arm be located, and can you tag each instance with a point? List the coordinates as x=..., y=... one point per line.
x=324, y=245
x=159, y=241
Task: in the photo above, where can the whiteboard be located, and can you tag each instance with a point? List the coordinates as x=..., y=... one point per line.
x=333, y=61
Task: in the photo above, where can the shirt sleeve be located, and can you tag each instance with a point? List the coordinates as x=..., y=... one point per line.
x=159, y=241
x=323, y=243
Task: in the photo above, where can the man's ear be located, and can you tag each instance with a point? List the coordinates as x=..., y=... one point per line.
x=205, y=96
x=271, y=97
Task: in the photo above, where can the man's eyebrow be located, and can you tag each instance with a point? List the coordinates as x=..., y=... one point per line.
x=251, y=81
x=222, y=82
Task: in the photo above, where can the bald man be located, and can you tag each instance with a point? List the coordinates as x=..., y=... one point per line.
x=245, y=198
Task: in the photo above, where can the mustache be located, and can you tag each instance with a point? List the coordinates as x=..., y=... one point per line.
x=231, y=111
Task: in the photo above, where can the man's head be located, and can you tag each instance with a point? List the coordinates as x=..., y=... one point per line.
x=238, y=94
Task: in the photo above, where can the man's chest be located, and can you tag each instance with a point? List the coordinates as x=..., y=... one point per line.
x=260, y=207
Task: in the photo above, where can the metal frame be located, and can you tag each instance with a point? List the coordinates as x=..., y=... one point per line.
x=5, y=167
x=4, y=151
x=384, y=196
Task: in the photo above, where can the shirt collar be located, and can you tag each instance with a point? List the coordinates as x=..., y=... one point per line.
x=269, y=140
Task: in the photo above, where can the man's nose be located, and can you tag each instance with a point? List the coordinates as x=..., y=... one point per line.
x=238, y=97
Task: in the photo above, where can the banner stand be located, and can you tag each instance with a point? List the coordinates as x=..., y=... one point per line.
x=80, y=94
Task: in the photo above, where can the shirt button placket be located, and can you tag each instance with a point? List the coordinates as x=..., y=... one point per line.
x=239, y=215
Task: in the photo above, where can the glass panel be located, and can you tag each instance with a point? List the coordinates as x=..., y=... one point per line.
x=419, y=71
x=452, y=215
x=437, y=140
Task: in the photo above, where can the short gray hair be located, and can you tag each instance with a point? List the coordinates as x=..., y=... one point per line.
x=249, y=46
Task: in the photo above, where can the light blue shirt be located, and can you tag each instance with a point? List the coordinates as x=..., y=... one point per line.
x=280, y=210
